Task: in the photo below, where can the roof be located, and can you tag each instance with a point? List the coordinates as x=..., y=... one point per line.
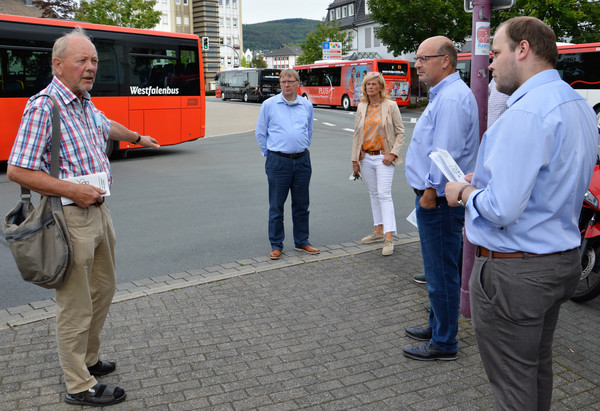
x=19, y=8
x=286, y=51
x=359, y=17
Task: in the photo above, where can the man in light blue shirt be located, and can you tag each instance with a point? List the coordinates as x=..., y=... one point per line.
x=450, y=122
x=284, y=132
x=533, y=168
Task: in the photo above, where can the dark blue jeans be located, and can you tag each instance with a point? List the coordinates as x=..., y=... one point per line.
x=288, y=175
x=440, y=231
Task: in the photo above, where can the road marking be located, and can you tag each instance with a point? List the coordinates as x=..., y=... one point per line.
x=329, y=124
x=349, y=129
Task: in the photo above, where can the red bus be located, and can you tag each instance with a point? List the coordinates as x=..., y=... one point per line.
x=149, y=81
x=578, y=65
x=337, y=83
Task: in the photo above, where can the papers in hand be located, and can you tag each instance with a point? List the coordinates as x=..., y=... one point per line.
x=99, y=180
x=446, y=163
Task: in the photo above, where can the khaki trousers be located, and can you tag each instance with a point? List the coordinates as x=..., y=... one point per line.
x=82, y=303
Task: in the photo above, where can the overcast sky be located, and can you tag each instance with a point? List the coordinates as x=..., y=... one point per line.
x=258, y=11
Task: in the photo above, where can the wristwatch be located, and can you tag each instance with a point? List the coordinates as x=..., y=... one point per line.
x=460, y=193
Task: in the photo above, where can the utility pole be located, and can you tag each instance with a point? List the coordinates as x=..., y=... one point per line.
x=480, y=60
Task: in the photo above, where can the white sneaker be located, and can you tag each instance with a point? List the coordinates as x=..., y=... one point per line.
x=388, y=248
x=372, y=238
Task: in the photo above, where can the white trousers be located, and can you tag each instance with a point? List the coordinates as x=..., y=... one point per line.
x=378, y=178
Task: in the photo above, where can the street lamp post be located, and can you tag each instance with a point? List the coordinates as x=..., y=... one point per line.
x=236, y=53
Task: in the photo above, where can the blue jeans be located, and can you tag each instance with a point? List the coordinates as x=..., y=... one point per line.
x=440, y=231
x=288, y=175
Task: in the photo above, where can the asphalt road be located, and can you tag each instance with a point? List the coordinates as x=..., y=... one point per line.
x=204, y=203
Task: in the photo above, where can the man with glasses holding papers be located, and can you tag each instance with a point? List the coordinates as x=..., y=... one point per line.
x=450, y=122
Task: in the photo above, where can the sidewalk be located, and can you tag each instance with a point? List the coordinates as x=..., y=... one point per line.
x=318, y=332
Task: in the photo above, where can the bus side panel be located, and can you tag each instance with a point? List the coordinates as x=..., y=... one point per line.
x=192, y=118
x=12, y=111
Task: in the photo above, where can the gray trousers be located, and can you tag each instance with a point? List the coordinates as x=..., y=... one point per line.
x=515, y=304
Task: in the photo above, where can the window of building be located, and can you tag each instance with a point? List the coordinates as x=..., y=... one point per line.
x=351, y=9
x=332, y=15
x=177, y=1
x=338, y=13
x=186, y=21
x=227, y=22
x=220, y=21
x=344, y=12
x=368, y=38
x=234, y=4
x=178, y=20
x=376, y=42
x=226, y=3
x=164, y=19
x=185, y=2
x=234, y=22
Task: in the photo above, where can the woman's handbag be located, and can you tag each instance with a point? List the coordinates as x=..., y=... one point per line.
x=38, y=237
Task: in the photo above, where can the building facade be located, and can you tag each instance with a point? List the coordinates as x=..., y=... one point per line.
x=176, y=16
x=230, y=33
x=283, y=58
x=353, y=16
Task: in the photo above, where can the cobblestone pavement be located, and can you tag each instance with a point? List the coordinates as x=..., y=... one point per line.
x=317, y=332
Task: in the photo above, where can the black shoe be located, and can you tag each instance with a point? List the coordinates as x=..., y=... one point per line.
x=427, y=352
x=100, y=395
x=102, y=368
x=419, y=278
x=419, y=334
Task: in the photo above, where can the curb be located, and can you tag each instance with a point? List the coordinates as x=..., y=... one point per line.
x=46, y=309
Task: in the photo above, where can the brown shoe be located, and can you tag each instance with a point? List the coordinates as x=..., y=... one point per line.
x=275, y=254
x=309, y=249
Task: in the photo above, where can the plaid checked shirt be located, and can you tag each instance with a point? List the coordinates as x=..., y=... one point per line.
x=84, y=133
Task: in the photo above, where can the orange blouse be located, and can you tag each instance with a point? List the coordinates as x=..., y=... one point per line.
x=373, y=139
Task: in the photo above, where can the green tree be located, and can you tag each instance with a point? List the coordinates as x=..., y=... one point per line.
x=125, y=13
x=56, y=9
x=577, y=21
x=325, y=31
x=405, y=24
x=244, y=62
x=258, y=61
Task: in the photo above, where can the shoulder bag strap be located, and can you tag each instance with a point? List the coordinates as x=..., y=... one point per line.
x=55, y=149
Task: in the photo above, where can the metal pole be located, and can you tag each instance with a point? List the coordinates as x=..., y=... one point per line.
x=479, y=85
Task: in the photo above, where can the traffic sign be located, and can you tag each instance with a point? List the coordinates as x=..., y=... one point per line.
x=332, y=50
x=495, y=5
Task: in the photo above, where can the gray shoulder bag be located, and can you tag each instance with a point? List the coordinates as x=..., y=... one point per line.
x=38, y=237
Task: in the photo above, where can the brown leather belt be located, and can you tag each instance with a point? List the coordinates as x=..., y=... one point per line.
x=374, y=152
x=484, y=252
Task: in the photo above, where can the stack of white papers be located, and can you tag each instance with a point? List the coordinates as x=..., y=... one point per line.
x=99, y=180
x=446, y=163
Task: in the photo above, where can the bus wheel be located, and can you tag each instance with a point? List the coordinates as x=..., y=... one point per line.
x=245, y=97
x=110, y=147
x=346, y=102
x=223, y=96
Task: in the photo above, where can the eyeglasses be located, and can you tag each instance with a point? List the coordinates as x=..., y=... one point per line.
x=285, y=82
x=423, y=59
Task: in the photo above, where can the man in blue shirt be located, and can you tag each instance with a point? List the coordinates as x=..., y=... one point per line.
x=450, y=122
x=284, y=132
x=533, y=168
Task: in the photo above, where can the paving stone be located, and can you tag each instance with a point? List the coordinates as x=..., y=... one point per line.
x=316, y=332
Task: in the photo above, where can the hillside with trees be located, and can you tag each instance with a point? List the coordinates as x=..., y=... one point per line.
x=272, y=35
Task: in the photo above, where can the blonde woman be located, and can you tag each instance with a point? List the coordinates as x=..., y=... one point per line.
x=378, y=139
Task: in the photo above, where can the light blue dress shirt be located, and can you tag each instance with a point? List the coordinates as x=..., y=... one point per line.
x=533, y=167
x=283, y=126
x=450, y=121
